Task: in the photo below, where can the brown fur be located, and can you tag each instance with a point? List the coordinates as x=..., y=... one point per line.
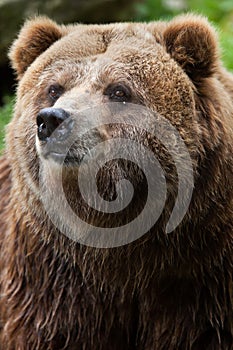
x=161, y=292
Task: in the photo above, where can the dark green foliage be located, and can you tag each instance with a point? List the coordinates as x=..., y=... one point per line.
x=5, y=115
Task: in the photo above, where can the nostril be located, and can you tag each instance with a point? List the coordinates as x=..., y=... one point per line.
x=48, y=120
x=40, y=123
x=42, y=129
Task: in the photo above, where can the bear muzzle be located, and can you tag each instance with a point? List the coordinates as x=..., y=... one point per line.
x=54, y=128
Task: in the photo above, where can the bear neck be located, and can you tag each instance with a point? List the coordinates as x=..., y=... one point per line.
x=210, y=229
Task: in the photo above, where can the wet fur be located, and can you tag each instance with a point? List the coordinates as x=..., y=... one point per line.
x=162, y=292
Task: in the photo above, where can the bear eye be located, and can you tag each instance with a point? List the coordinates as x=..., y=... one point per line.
x=55, y=91
x=118, y=93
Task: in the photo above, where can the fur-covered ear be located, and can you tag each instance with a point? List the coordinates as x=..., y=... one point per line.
x=192, y=42
x=34, y=38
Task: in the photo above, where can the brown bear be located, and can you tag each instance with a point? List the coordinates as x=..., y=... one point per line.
x=154, y=289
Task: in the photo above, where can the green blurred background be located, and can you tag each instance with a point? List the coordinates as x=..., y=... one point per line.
x=14, y=12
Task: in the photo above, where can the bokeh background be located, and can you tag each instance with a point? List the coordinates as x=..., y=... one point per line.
x=14, y=12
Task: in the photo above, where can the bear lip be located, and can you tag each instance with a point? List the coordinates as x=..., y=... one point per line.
x=58, y=157
x=63, y=158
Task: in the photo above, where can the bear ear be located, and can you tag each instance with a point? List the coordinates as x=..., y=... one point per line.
x=34, y=38
x=192, y=42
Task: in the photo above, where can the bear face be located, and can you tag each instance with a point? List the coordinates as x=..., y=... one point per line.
x=160, y=291
x=116, y=63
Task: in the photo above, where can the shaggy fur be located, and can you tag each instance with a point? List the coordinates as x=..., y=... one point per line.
x=161, y=292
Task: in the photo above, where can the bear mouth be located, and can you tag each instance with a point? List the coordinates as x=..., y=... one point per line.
x=63, y=158
x=69, y=153
x=72, y=150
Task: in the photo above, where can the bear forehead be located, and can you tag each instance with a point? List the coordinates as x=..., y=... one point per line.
x=121, y=42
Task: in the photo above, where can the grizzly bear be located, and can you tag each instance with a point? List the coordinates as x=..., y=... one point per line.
x=156, y=89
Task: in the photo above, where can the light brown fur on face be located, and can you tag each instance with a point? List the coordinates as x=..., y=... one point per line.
x=161, y=292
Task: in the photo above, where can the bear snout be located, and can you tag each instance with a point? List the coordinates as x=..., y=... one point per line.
x=54, y=123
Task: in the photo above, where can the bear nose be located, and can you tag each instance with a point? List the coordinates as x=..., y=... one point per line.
x=53, y=120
